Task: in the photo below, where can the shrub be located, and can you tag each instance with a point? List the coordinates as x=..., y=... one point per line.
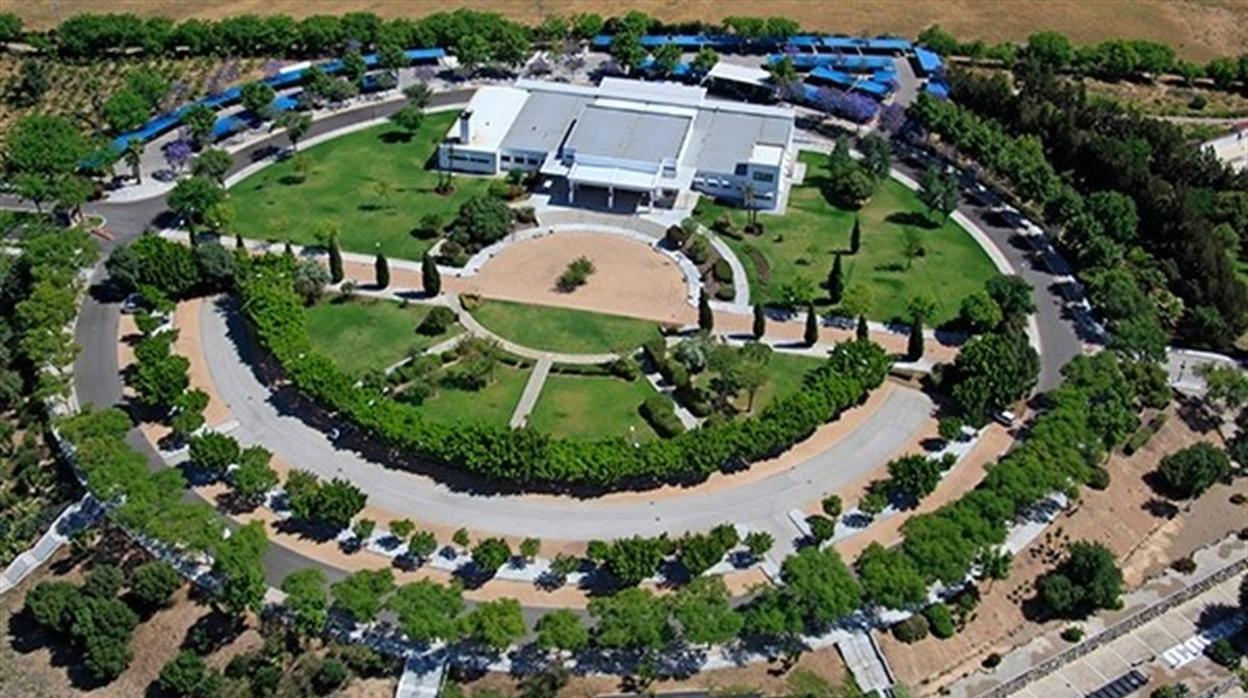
x=1183, y=565
x=821, y=528
x=722, y=271
x=940, y=620
x=625, y=367
x=657, y=410
x=1193, y=470
x=1072, y=634
x=437, y=321
x=950, y=428
x=991, y=661
x=331, y=674
x=698, y=250
x=576, y=274
x=152, y=583
x=1224, y=653
x=1099, y=479
x=676, y=237
x=912, y=629
x=726, y=292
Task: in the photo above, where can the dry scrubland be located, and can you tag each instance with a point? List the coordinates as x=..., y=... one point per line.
x=1198, y=29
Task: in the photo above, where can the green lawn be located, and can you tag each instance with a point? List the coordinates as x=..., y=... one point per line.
x=801, y=243
x=592, y=407
x=342, y=187
x=492, y=404
x=365, y=333
x=562, y=330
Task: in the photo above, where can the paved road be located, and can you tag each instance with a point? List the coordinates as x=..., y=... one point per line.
x=271, y=418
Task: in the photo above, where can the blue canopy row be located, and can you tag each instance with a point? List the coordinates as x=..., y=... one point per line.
x=164, y=123
x=876, y=86
x=928, y=62
x=840, y=61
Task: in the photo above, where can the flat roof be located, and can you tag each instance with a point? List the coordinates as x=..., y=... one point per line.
x=542, y=123
x=611, y=131
x=723, y=139
x=493, y=112
x=767, y=154
x=740, y=73
x=661, y=92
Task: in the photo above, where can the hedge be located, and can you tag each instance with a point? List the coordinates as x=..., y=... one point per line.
x=658, y=411
x=535, y=459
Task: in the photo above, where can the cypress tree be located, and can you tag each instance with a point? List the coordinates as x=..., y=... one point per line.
x=855, y=237
x=288, y=250
x=812, y=326
x=238, y=242
x=382, y=268
x=914, y=347
x=335, y=260
x=836, y=282
x=863, y=332
x=430, y=278
x=760, y=321
x=706, y=318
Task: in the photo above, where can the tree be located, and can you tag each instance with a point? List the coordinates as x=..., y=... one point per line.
x=238, y=566
x=337, y=502
x=939, y=191
x=428, y=611
x=980, y=313
x=822, y=528
x=422, y=545
x=41, y=151
x=254, y=477
x=855, y=237
x=103, y=582
x=704, y=60
x=667, y=57
x=381, y=270
x=409, y=119
x=760, y=321
x=1193, y=470
x=633, y=619
x=836, y=280
x=877, y=155
x=200, y=120
x=914, y=476
x=307, y=601
x=561, y=630
x=191, y=198
x=310, y=280
x=706, y=317
x=759, y=543
x=214, y=451
x=992, y=371
x=705, y=615
x=126, y=110
x=257, y=98
x=819, y=588
x=832, y=506
x=1086, y=581
x=185, y=675
x=889, y=578
x=911, y=246
x=491, y=554
x=530, y=548
x=31, y=84
x=336, y=274
x=1013, y=296
x=495, y=624
x=1050, y=50
x=863, y=331
x=914, y=342
x=362, y=594
x=51, y=604
x=153, y=583
x=811, y=334
x=363, y=529
x=133, y=155
x=632, y=560
x=418, y=94
x=297, y=124
x=481, y=221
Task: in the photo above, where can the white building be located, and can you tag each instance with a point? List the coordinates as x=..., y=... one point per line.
x=652, y=139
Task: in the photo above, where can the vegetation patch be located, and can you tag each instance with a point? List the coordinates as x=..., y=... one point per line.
x=593, y=407
x=362, y=334
x=563, y=330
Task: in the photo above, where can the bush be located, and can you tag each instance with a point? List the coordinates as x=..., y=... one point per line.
x=1183, y=565
x=912, y=629
x=1072, y=634
x=1224, y=653
x=657, y=410
x=991, y=661
x=577, y=273
x=331, y=674
x=152, y=583
x=437, y=321
x=625, y=367
x=676, y=237
x=698, y=250
x=722, y=271
x=1099, y=479
x=940, y=620
x=950, y=428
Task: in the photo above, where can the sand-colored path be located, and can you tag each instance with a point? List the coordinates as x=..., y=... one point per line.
x=631, y=278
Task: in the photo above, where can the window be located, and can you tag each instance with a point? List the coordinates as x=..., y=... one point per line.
x=506, y=158
x=764, y=177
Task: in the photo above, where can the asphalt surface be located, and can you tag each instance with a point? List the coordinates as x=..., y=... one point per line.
x=98, y=383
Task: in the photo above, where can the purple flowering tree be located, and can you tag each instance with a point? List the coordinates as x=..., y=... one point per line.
x=892, y=118
x=177, y=153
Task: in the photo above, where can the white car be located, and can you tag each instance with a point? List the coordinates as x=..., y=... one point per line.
x=1005, y=417
x=132, y=304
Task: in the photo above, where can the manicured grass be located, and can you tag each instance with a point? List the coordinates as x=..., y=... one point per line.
x=342, y=187
x=592, y=407
x=563, y=330
x=366, y=333
x=492, y=404
x=801, y=243
x=784, y=376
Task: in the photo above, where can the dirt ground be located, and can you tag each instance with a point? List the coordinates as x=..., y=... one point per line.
x=766, y=679
x=1122, y=517
x=1198, y=29
x=630, y=277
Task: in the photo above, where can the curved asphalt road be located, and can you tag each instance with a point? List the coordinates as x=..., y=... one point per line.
x=97, y=381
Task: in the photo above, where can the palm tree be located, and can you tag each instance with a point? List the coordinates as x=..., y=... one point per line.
x=748, y=200
x=134, y=158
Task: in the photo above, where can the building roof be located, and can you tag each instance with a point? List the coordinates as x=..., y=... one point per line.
x=615, y=129
x=723, y=139
x=658, y=92
x=740, y=73
x=493, y=111
x=543, y=122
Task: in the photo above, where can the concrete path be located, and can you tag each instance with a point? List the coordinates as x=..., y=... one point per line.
x=454, y=500
x=76, y=517
x=532, y=389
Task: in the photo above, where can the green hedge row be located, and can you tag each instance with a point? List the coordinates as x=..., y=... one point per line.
x=536, y=459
